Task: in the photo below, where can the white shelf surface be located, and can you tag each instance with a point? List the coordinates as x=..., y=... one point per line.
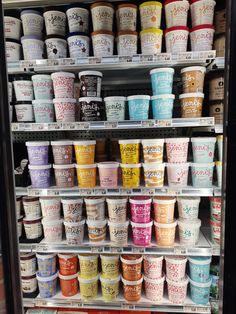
x=98, y=191
x=119, y=304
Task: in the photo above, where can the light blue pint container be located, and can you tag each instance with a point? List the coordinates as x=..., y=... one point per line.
x=199, y=292
x=202, y=174
x=43, y=111
x=47, y=285
x=43, y=87
x=162, y=81
x=162, y=106
x=46, y=264
x=203, y=149
x=199, y=268
x=138, y=107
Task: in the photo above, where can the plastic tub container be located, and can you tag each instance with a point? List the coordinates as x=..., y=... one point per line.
x=140, y=208
x=191, y=105
x=37, y=152
x=220, y=140
x=28, y=264
x=24, y=112
x=162, y=81
x=130, y=175
x=110, y=288
x=177, y=174
x=154, y=288
x=175, y=267
x=216, y=206
x=84, y=152
x=43, y=88
x=131, y=267
x=12, y=27
x=74, y=232
x=164, y=207
x=127, y=43
x=78, y=19
x=176, y=39
x=165, y=233
x=201, y=37
x=202, y=174
x=31, y=207
x=65, y=109
x=86, y=175
x=46, y=264
x=13, y=50
x=203, y=149
x=56, y=47
x=43, y=111
x=69, y=285
x=102, y=16
x=63, y=84
x=110, y=266
x=189, y=232
x=78, y=45
x=150, y=14
x=52, y=230
x=68, y=264
x=103, y=43
x=108, y=174
x=33, y=47
x=88, y=264
x=88, y=288
x=129, y=150
x=118, y=232
x=199, y=268
x=72, y=209
x=115, y=108
x=64, y=175
x=154, y=174
x=153, y=150
x=177, y=291
x=152, y=265
x=200, y=292
x=219, y=173
x=97, y=230
x=202, y=12
x=126, y=17
x=176, y=13
x=132, y=289
x=33, y=228
x=151, y=41
x=188, y=207
x=162, y=106
x=51, y=207
x=215, y=231
x=117, y=209
x=177, y=149
x=47, y=285
x=40, y=176
x=142, y=233
x=216, y=87
x=55, y=22
x=32, y=22
x=29, y=284
x=62, y=152
x=90, y=83
x=138, y=107
x=91, y=109
x=193, y=79
x=23, y=89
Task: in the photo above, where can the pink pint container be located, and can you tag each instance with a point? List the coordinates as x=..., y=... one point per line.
x=63, y=84
x=176, y=38
x=177, y=174
x=140, y=209
x=65, y=109
x=202, y=12
x=201, y=37
x=142, y=233
x=177, y=150
x=176, y=12
x=52, y=230
x=154, y=288
x=108, y=174
x=175, y=267
x=177, y=291
x=152, y=266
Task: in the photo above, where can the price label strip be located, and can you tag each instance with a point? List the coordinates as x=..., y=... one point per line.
x=196, y=309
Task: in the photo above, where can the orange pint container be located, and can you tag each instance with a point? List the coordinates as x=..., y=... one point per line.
x=68, y=264
x=69, y=285
x=132, y=289
x=131, y=267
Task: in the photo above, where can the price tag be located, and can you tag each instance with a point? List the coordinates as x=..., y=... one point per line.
x=34, y=192
x=181, y=251
x=94, y=60
x=126, y=191
x=83, y=61
x=27, y=64
x=41, y=248
x=196, y=309
x=137, y=250
x=207, y=54
x=113, y=191
x=116, y=250
x=150, y=191
x=128, y=307
x=164, y=123
x=54, y=126
x=123, y=59
x=14, y=127
x=53, y=193
x=38, y=127
x=110, y=125
x=163, y=57
x=67, y=61
x=175, y=192
x=137, y=191
x=28, y=126
x=146, y=58
x=68, y=126
x=100, y=191
x=52, y=62
x=148, y=124
x=83, y=126
x=86, y=191
x=136, y=58
x=110, y=59
x=184, y=56
x=96, y=249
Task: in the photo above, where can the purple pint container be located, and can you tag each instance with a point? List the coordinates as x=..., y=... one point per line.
x=38, y=153
x=40, y=176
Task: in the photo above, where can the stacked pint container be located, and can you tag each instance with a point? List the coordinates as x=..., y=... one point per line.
x=28, y=266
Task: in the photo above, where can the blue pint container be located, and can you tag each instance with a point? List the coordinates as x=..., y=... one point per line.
x=202, y=174
x=47, y=285
x=46, y=264
x=199, y=268
x=162, y=81
x=162, y=106
x=200, y=292
x=138, y=107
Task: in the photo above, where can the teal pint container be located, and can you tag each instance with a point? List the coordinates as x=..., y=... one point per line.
x=200, y=292
x=203, y=149
x=162, y=106
x=162, y=81
x=43, y=111
x=199, y=268
x=202, y=174
x=138, y=107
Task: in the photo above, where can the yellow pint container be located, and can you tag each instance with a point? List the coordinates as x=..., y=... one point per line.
x=129, y=150
x=110, y=288
x=88, y=264
x=110, y=266
x=150, y=14
x=88, y=288
x=86, y=175
x=84, y=152
x=131, y=175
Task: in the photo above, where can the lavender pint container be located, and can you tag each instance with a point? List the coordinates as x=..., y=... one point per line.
x=37, y=153
x=40, y=176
